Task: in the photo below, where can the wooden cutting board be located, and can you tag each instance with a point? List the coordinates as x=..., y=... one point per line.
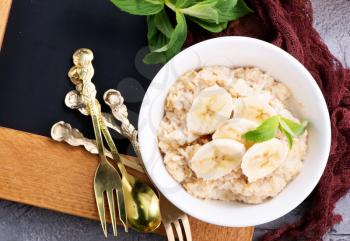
x=4, y=13
x=37, y=171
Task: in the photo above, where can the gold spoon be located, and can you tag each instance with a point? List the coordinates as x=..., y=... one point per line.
x=141, y=201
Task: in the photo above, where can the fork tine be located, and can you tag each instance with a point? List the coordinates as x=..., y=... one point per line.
x=112, y=211
x=101, y=210
x=178, y=230
x=169, y=231
x=187, y=227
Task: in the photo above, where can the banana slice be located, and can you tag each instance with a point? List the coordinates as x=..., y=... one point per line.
x=217, y=158
x=263, y=158
x=254, y=108
x=234, y=129
x=210, y=107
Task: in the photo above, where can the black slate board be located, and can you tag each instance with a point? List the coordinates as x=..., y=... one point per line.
x=40, y=39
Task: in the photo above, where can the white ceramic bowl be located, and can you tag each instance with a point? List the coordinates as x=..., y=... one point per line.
x=238, y=51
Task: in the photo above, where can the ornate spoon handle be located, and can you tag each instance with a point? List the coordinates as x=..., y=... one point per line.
x=115, y=101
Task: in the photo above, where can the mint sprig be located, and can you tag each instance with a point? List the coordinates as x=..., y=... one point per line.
x=166, y=39
x=268, y=130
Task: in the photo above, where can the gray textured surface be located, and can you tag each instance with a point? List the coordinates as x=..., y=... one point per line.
x=23, y=223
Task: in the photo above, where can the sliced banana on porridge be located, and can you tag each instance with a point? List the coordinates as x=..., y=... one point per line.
x=234, y=129
x=229, y=134
x=256, y=108
x=210, y=107
x=263, y=158
x=217, y=158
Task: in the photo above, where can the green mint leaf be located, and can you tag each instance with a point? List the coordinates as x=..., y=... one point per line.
x=140, y=7
x=266, y=131
x=156, y=39
x=238, y=9
x=227, y=10
x=163, y=24
x=155, y=58
x=204, y=10
x=241, y=9
x=179, y=34
x=176, y=40
x=184, y=3
x=288, y=135
x=293, y=128
x=159, y=43
x=225, y=6
x=211, y=27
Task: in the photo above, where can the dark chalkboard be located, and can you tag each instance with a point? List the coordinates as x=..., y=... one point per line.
x=40, y=39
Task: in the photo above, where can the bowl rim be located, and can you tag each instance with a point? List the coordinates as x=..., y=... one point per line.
x=316, y=176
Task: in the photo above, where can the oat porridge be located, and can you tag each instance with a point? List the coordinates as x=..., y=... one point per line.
x=227, y=134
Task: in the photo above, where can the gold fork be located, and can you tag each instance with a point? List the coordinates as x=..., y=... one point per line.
x=141, y=203
x=107, y=179
x=171, y=215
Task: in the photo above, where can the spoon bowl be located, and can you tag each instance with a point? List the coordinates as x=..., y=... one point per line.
x=142, y=205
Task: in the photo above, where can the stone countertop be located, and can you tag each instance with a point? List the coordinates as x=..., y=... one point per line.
x=24, y=223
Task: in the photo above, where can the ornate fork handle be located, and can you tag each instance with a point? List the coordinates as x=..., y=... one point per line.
x=81, y=74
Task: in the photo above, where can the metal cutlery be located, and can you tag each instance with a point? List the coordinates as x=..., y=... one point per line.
x=107, y=179
x=138, y=204
x=171, y=215
x=141, y=202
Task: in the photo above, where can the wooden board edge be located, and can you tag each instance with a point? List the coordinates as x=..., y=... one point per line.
x=33, y=198
x=5, y=6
